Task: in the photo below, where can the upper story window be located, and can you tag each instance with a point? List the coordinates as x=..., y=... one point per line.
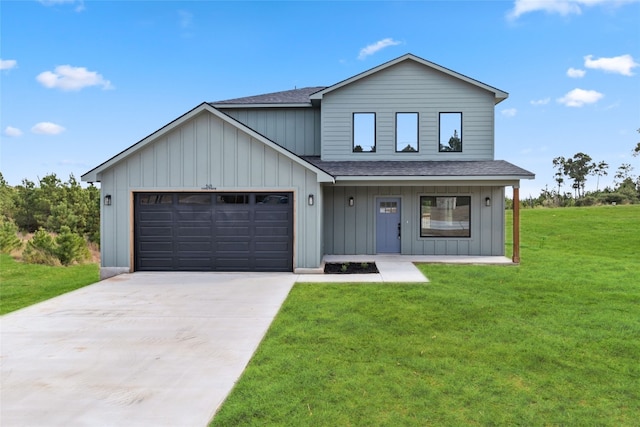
x=406, y=132
x=364, y=132
x=450, y=132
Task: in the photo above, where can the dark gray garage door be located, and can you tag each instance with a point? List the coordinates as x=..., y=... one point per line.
x=214, y=231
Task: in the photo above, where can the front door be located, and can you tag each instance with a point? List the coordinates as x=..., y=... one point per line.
x=388, y=225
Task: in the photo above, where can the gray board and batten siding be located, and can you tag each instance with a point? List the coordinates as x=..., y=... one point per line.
x=296, y=129
x=350, y=230
x=204, y=150
x=408, y=86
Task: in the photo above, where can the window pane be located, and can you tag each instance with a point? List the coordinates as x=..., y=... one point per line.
x=407, y=132
x=155, y=199
x=451, y=132
x=194, y=199
x=364, y=132
x=272, y=199
x=445, y=216
x=234, y=199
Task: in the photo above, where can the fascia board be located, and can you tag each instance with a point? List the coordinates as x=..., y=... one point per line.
x=240, y=106
x=429, y=180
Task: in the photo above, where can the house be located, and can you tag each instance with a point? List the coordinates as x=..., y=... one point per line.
x=398, y=159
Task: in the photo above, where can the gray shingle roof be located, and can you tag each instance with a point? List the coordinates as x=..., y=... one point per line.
x=294, y=96
x=484, y=168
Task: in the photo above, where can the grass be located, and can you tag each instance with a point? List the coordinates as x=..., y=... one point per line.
x=554, y=341
x=24, y=284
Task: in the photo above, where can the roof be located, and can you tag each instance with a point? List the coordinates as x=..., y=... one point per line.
x=499, y=94
x=426, y=170
x=284, y=98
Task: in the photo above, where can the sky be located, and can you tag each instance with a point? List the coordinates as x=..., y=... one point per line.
x=82, y=80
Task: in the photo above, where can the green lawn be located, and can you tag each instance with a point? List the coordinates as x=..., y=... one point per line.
x=554, y=341
x=23, y=284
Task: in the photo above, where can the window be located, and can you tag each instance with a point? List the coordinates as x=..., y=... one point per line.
x=450, y=132
x=155, y=199
x=272, y=199
x=232, y=199
x=445, y=216
x=194, y=199
x=406, y=132
x=364, y=132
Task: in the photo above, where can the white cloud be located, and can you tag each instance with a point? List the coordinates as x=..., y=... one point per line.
x=47, y=128
x=79, y=3
x=622, y=64
x=375, y=47
x=7, y=64
x=66, y=77
x=561, y=7
x=186, y=19
x=543, y=101
x=509, y=112
x=580, y=97
x=575, y=73
x=12, y=132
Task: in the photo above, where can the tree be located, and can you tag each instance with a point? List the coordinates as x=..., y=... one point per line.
x=455, y=143
x=600, y=170
x=636, y=150
x=623, y=172
x=578, y=168
x=559, y=163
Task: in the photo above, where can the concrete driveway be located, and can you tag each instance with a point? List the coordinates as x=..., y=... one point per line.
x=160, y=349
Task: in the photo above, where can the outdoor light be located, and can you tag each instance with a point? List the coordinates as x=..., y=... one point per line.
x=107, y=200
x=310, y=199
x=487, y=201
x=351, y=201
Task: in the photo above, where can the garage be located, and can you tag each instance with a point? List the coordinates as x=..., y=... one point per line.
x=209, y=231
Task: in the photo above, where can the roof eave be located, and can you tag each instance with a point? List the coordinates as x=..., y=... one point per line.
x=265, y=105
x=439, y=179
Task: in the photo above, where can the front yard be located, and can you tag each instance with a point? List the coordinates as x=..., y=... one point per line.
x=554, y=341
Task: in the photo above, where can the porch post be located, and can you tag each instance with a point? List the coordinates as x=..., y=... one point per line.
x=516, y=225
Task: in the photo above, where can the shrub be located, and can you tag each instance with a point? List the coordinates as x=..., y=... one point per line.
x=9, y=240
x=70, y=247
x=41, y=249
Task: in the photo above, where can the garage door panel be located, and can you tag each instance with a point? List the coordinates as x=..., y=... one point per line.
x=204, y=232
x=194, y=232
x=156, y=232
x=162, y=216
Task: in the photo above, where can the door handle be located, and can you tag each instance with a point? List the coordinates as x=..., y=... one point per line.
x=399, y=229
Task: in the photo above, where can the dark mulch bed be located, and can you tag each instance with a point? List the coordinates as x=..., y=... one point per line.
x=350, y=267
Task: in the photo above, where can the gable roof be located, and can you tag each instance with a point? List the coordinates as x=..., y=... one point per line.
x=94, y=174
x=294, y=97
x=499, y=94
x=485, y=170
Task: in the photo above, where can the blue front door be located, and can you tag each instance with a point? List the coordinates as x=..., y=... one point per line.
x=388, y=225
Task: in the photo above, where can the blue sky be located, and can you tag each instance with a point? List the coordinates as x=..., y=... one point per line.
x=83, y=80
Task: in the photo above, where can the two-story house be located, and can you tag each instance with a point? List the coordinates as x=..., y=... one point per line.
x=398, y=159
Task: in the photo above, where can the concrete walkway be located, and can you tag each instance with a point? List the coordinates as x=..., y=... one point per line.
x=143, y=349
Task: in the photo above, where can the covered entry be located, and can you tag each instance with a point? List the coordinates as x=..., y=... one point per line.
x=209, y=231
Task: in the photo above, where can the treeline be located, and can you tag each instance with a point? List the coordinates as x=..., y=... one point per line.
x=61, y=218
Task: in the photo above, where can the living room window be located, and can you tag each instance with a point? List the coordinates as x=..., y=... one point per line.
x=364, y=132
x=445, y=216
x=406, y=132
x=450, y=126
